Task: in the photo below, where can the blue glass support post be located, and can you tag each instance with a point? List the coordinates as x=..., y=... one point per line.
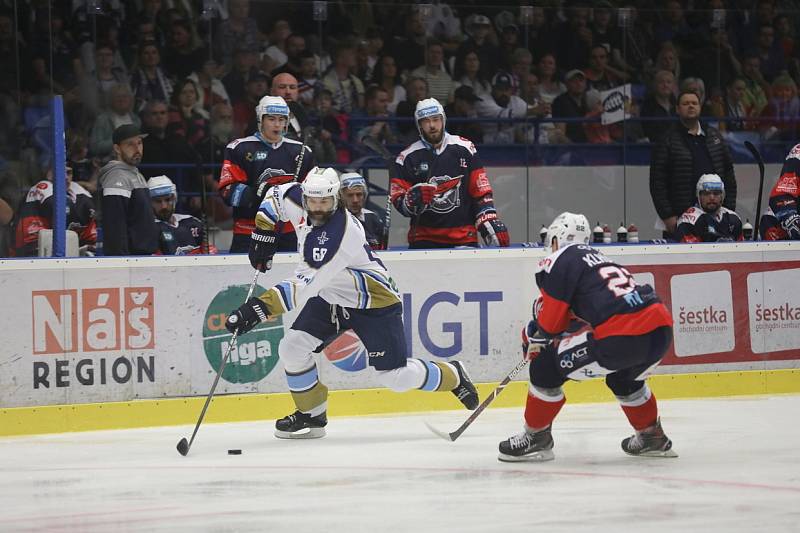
x=59, y=177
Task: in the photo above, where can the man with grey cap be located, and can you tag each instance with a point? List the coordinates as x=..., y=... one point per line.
x=572, y=104
x=129, y=227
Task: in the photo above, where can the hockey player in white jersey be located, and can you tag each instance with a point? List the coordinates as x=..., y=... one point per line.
x=339, y=284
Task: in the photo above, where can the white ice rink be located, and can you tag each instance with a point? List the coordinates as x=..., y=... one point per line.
x=738, y=470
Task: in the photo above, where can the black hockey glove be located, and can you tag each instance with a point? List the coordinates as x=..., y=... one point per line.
x=249, y=315
x=263, y=245
x=269, y=178
x=532, y=341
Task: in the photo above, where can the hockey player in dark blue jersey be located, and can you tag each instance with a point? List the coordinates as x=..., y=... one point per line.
x=179, y=234
x=784, y=200
x=354, y=193
x=591, y=320
x=254, y=163
x=439, y=183
x=709, y=220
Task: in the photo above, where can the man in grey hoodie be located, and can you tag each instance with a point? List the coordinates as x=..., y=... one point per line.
x=128, y=224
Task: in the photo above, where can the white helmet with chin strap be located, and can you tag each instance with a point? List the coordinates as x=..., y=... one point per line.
x=568, y=228
x=710, y=183
x=351, y=180
x=272, y=105
x=430, y=107
x=321, y=183
x=161, y=186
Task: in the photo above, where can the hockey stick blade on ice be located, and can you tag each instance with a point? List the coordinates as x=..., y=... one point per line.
x=453, y=435
x=760, y=161
x=183, y=444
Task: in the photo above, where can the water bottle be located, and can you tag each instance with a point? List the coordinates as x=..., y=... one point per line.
x=542, y=234
x=622, y=233
x=747, y=230
x=633, y=233
x=597, y=234
x=606, y=234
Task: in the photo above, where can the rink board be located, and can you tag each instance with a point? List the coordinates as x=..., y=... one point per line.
x=93, y=343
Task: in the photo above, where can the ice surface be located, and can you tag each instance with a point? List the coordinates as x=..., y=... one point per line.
x=738, y=470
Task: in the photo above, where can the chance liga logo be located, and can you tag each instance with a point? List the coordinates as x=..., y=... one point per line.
x=255, y=353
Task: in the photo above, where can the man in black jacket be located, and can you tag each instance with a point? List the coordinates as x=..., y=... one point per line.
x=686, y=152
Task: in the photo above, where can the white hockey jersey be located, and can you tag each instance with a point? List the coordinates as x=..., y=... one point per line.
x=337, y=262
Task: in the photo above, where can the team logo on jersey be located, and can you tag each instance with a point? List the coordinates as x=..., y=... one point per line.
x=422, y=170
x=448, y=200
x=323, y=238
x=260, y=156
x=248, y=156
x=255, y=353
x=347, y=352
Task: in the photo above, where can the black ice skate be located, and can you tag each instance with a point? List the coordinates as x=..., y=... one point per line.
x=301, y=426
x=528, y=446
x=466, y=391
x=650, y=442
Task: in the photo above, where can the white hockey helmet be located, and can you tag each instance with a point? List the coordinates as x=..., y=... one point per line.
x=271, y=105
x=351, y=180
x=709, y=183
x=161, y=186
x=430, y=107
x=321, y=183
x=568, y=228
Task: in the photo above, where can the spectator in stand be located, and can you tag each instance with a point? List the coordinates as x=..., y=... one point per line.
x=367, y=55
x=666, y=59
x=785, y=35
x=733, y=106
x=715, y=64
x=178, y=234
x=659, y=103
x=550, y=87
x=503, y=104
x=387, y=76
x=286, y=86
x=9, y=200
x=354, y=193
x=468, y=73
x=95, y=86
x=244, y=65
x=119, y=113
x=84, y=169
x=295, y=47
x=540, y=32
x=773, y=63
x=440, y=84
x=307, y=79
x=596, y=132
x=409, y=49
x=572, y=104
x=239, y=32
x=757, y=91
x=462, y=107
x=783, y=111
x=521, y=63
x=637, y=38
x=211, y=90
x=600, y=76
x=686, y=152
x=52, y=44
x=509, y=43
x=331, y=138
x=606, y=34
x=379, y=131
x=346, y=88
x=244, y=115
x=183, y=55
x=275, y=56
x=479, y=29
x=36, y=213
x=416, y=90
x=784, y=201
x=128, y=224
x=574, y=38
x=708, y=220
x=212, y=154
x=186, y=119
x=673, y=26
x=149, y=81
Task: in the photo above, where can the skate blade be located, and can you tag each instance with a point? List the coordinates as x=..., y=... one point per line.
x=656, y=453
x=308, y=433
x=535, y=457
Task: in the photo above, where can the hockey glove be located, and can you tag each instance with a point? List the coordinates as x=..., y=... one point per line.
x=791, y=225
x=269, y=178
x=418, y=198
x=249, y=315
x=263, y=245
x=494, y=233
x=532, y=341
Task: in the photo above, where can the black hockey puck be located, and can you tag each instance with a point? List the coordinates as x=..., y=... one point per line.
x=234, y=452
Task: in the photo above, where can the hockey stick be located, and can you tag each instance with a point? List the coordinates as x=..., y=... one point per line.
x=184, y=445
x=453, y=435
x=380, y=149
x=300, y=158
x=760, y=161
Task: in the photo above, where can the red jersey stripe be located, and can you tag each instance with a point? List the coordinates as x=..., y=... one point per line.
x=554, y=317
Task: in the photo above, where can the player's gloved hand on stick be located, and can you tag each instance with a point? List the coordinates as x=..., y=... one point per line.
x=792, y=226
x=269, y=178
x=418, y=197
x=532, y=341
x=247, y=316
x=494, y=232
x=263, y=245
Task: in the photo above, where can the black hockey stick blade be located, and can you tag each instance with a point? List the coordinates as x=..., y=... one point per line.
x=438, y=432
x=183, y=446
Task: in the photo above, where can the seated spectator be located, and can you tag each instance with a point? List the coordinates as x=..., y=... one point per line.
x=550, y=87
x=387, y=76
x=468, y=73
x=509, y=43
x=572, y=104
x=659, y=103
x=784, y=199
x=244, y=65
x=95, y=85
x=120, y=112
x=84, y=169
x=757, y=90
x=239, y=32
x=666, y=59
x=481, y=41
x=307, y=78
x=600, y=76
x=329, y=145
x=716, y=63
x=295, y=50
x=186, y=119
x=275, y=56
x=163, y=148
x=596, y=131
x=211, y=90
x=183, y=55
x=783, y=111
x=354, y=193
x=440, y=84
x=377, y=108
x=244, y=110
x=285, y=85
x=463, y=106
x=733, y=107
x=520, y=68
x=149, y=81
x=408, y=49
x=36, y=213
x=178, y=234
x=341, y=81
x=416, y=90
x=502, y=104
x=773, y=62
x=212, y=152
x=708, y=220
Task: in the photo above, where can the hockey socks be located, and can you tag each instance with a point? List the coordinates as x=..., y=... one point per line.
x=309, y=394
x=640, y=408
x=542, y=407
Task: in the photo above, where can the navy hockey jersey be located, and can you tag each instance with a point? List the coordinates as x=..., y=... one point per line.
x=181, y=235
x=465, y=202
x=695, y=225
x=784, y=199
x=579, y=280
x=246, y=159
x=373, y=228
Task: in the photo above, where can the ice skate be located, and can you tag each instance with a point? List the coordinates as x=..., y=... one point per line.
x=528, y=446
x=650, y=442
x=301, y=426
x=465, y=391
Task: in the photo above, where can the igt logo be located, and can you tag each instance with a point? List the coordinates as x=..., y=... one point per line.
x=107, y=319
